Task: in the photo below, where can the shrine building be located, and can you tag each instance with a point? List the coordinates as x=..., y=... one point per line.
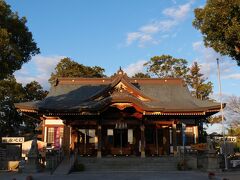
x=120, y=116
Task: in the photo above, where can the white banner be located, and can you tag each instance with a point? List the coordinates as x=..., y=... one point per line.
x=12, y=139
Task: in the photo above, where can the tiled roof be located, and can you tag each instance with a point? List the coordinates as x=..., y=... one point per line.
x=94, y=94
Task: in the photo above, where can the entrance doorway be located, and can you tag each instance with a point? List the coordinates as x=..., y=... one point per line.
x=121, y=143
x=157, y=140
x=120, y=138
x=87, y=142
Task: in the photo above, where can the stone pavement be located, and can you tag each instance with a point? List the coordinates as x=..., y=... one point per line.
x=179, y=175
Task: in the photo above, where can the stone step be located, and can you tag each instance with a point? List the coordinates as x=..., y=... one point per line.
x=132, y=168
x=129, y=164
x=170, y=168
x=148, y=159
x=65, y=166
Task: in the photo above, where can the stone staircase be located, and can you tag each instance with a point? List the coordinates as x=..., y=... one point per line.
x=65, y=166
x=108, y=164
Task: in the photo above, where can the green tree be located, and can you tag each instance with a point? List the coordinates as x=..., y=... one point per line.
x=219, y=22
x=215, y=119
x=167, y=66
x=141, y=75
x=34, y=91
x=10, y=89
x=16, y=42
x=10, y=92
x=69, y=68
x=11, y=122
x=197, y=83
x=234, y=129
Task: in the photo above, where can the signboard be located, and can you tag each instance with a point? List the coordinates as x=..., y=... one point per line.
x=199, y=147
x=54, y=122
x=232, y=139
x=57, y=137
x=235, y=163
x=12, y=140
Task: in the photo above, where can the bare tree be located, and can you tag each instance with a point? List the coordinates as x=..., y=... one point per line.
x=233, y=115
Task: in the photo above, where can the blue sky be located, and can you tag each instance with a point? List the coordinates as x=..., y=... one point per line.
x=122, y=33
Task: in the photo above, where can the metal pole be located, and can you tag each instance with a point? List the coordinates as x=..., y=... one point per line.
x=85, y=142
x=157, y=140
x=121, y=141
x=222, y=114
x=183, y=139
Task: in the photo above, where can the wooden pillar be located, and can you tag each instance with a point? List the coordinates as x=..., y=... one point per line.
x=195, y=132
x=45, y=133
x=66, y=141
x=85, y=151
x=99, y=137
x=142, y=141
x=166, y=140
x=174, y=139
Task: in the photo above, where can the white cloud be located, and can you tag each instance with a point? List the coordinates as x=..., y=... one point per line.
x=179, y=12
x=46, y=64
x=147, y=33
x=217, y=127
x=141, y=37
x=134, y=68
x=232, y=76
x=133, y=36
x=207, y=58
x=197, y=45
x=229, y=71
x=166, y=25
x=38, y=69
x=150, y=28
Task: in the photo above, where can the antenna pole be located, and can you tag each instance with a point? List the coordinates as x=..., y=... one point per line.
x=222, y=115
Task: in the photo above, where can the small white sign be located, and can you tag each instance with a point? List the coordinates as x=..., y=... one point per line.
x=227, y=138
x=12, y=139
x=54, y=122
x=110, y=132
x=235, y=162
